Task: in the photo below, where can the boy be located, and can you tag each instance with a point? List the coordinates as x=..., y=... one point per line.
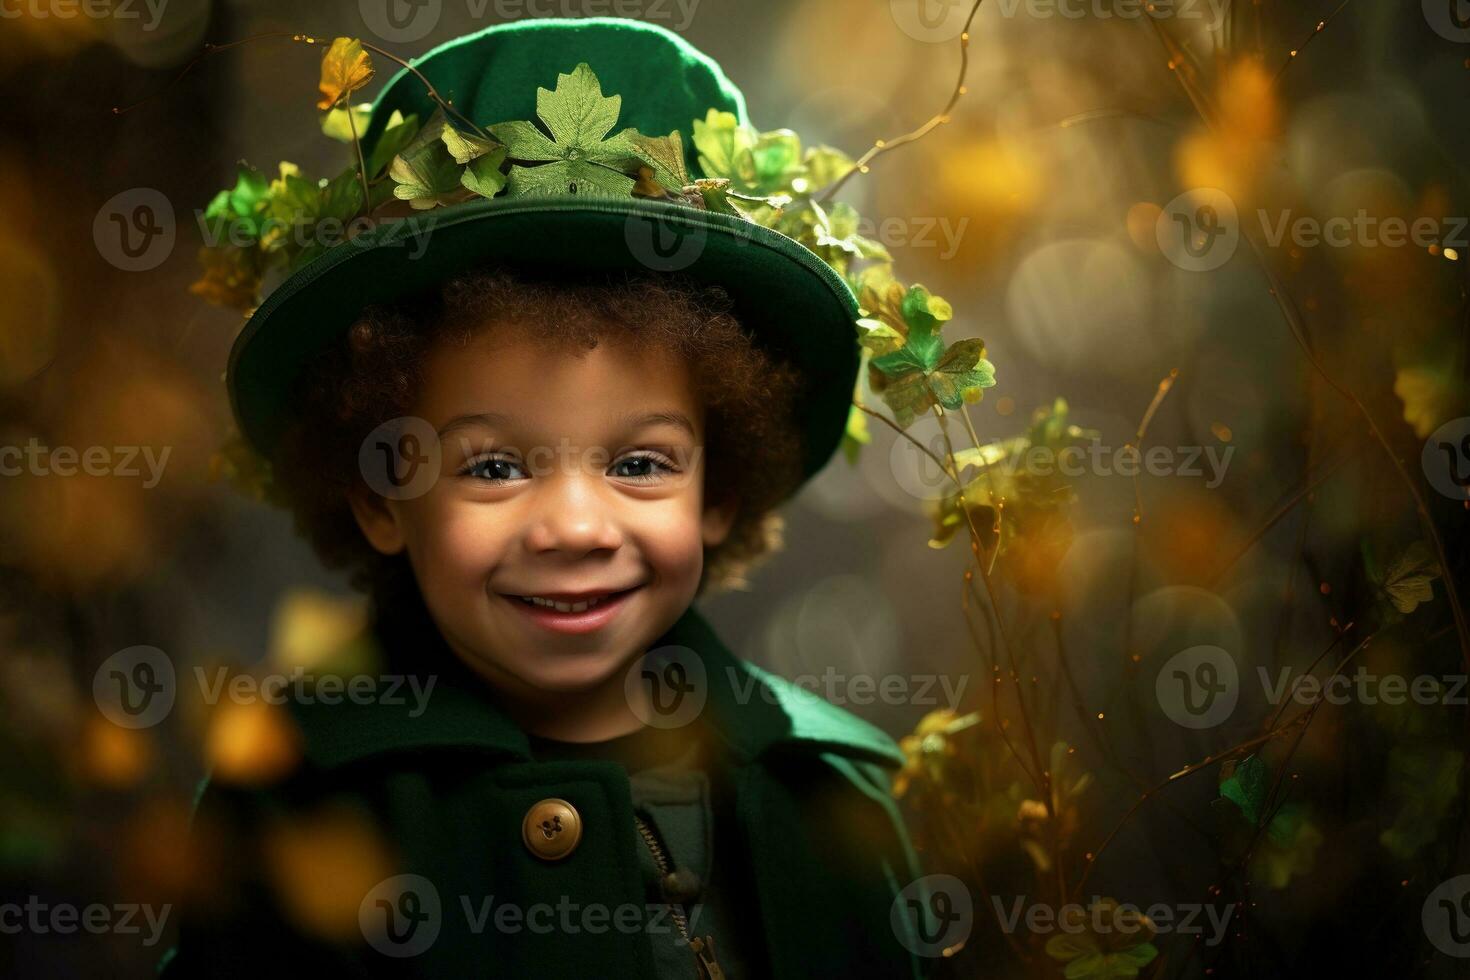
x=534, y=453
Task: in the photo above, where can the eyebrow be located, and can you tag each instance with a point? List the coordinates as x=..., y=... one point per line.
x=630, y=421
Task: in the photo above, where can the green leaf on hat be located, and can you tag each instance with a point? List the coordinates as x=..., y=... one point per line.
x=664, y=155
x=425, y=173
x=465, y=147
x=721, y=141
x=396, y=137
x=294, y=202
x=578, y=158
x=483, y=174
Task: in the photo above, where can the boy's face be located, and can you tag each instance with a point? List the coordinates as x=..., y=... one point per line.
x=562, y=473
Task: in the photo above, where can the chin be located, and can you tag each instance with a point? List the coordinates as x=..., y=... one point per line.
x=573, y=674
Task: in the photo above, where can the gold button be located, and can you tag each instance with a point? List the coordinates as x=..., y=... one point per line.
x=552, y=829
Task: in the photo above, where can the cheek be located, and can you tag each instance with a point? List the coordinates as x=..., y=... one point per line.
x=452, y=540
x=670, y=538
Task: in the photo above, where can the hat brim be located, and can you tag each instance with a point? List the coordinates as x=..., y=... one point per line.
x=791, y=301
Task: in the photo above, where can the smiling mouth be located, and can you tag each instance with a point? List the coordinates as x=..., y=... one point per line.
x=566, y=603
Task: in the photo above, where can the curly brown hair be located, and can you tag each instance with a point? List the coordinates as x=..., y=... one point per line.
x=373, y=374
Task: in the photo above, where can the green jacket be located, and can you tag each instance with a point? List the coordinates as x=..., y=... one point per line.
x=451, y=788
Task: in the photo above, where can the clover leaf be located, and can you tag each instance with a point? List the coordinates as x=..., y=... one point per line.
x=924, y=371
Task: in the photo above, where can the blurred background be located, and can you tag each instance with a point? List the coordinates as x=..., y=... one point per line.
x=1120, y=204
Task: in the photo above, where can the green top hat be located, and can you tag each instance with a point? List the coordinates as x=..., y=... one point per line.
x=566, y=205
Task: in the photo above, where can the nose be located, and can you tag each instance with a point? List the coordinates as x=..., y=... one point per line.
x=573, y=516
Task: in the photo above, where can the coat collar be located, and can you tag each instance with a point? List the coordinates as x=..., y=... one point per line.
x=752, y=711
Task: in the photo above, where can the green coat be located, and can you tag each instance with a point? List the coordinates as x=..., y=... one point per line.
x=449, y=790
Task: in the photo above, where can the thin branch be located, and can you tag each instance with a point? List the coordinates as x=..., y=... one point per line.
x=883, y=146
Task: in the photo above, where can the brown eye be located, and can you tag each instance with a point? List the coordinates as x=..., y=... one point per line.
x=643, y=467
x=494, y=469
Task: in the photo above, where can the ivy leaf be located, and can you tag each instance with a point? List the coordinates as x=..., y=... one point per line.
x=425, y=173
x=339, y=199
x=578, y=158
x=721, y=141
x=243, y=205
x=877, y=336
x=1103, y=955
x=231, y=276
x=295, y=203
x=1245, y=784
x=339, y=122
x=665, y=155
x=1407, y=582
x=483, y=174
x=465, y=147
x=775, y=161
x=346, y=67
x=839, y=231
x=824, y=165
x=396, y=137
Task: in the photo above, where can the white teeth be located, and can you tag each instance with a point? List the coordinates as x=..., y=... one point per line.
x=562, y=606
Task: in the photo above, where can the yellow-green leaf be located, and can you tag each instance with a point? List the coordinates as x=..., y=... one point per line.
x=346, y=67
